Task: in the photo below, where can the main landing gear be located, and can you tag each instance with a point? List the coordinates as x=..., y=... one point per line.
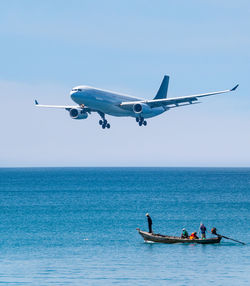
x=141, y=121
x=104, y=123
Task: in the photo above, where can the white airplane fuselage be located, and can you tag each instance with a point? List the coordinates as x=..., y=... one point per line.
x=108, y=102
x=91, y=99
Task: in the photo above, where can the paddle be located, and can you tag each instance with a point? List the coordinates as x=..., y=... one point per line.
x=214, y=231
x=231, y=239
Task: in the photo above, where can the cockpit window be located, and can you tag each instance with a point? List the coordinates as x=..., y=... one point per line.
x=76, y=89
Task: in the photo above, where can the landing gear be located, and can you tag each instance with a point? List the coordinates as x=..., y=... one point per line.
x=104, y=123
x=141, y=121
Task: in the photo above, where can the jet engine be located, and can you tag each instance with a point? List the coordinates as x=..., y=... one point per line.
x=78, y=113
x=139, y=108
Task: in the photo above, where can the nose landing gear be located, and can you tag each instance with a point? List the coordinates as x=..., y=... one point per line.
x=141, y=121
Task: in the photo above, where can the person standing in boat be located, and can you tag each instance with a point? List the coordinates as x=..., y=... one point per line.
x=203, y=231
x=149, y=223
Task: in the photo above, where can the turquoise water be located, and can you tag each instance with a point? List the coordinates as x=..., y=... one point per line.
x=77, y=226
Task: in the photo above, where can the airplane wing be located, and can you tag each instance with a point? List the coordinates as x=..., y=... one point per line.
x=175, y=101
x=67, y=107
x=57, y=106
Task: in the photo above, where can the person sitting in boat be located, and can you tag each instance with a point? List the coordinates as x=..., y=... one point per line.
x=184, y=233
x=193, y=235
x=149, y=223
x=203, y=231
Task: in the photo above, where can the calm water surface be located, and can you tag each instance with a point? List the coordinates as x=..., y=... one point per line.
x=76, y=226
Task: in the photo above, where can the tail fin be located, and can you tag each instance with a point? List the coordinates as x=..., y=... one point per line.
x=163, y=90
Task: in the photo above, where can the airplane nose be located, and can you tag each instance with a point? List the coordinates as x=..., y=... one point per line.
x=73, y=94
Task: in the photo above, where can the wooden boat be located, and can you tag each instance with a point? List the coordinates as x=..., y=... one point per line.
x=175, y=239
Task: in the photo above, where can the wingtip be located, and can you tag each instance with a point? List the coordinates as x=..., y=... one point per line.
x=234, y=88
x=36, y=102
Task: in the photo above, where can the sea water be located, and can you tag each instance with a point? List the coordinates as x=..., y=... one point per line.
x=77, y=226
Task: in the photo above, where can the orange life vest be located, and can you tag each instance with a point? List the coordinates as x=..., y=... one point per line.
x=193, y=236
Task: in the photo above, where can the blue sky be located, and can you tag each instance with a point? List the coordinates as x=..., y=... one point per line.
x=47, y=47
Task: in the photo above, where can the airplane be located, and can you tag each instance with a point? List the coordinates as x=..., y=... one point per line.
x=91, y=99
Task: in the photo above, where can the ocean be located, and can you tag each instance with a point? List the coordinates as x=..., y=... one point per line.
x=77, y=226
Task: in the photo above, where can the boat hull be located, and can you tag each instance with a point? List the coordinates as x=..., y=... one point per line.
x=175, y=239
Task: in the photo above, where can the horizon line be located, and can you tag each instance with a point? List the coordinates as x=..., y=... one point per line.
x=22, y=167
